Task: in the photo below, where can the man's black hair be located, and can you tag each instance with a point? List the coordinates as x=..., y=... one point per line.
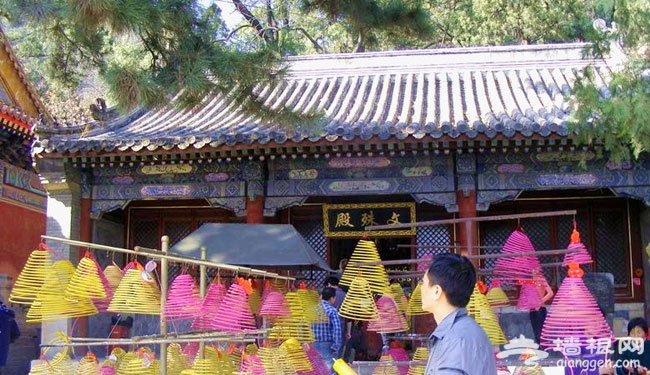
x=332, y=280
x=328, y=292
x=637, y=322
x=456, y=276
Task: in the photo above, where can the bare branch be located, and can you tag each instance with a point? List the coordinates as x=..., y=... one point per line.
x=252, y=20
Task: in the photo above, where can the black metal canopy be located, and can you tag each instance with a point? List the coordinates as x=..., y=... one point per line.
x=254, y=245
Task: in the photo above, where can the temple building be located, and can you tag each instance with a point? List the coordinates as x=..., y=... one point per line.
x=406, y=136
x=22, y=197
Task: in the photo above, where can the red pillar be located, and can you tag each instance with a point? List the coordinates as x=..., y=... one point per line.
x=467, y=231
x=255, y=210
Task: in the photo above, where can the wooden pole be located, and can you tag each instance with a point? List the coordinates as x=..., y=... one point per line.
x=202, y=284
x=152, y=253
x=446, y=246
x=479, y=271
x=472, y=219
x=485, y=256
x=164, y=278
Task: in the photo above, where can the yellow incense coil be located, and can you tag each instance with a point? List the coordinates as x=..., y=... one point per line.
x=399, y=297
x=358, y=303
x=479, y=309
x=118, y=353
x=123, y=363
x=254, y=301
x=251, y=349
x=61, y=364
x=308, y=305
x=315, y=298
x=31, y=278
x=270, y=359
x=85, y=281
x=176, y=360
x=88, y=365
x=497, y=297
x=50, y=306
x=229, y=363
x=375, y=275
x=415, y=303
x=385, y=369
x=205, y=367
x=139, y=366
x=296, y=355
x=136, y=295
x=421, y=354
x=295, y=324
x=114, y=275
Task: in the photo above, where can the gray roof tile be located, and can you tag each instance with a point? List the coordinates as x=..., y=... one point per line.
x=439, y=94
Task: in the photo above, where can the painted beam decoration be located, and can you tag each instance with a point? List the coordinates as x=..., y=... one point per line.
x=350, y=220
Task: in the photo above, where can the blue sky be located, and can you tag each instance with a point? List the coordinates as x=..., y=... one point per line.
x=228, y=11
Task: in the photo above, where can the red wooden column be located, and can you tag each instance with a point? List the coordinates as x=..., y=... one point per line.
x=467, y=231
x=255, y=210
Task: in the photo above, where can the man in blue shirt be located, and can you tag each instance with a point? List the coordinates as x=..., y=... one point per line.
x=459, y=346
x=328, y=335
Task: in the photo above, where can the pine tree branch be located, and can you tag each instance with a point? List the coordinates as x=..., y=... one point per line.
x=270, y=20
x=252, y=20
x=311, y=39
x=232, y=33
x=359, y=47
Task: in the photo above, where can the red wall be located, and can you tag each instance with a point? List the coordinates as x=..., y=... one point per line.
x=20, y=231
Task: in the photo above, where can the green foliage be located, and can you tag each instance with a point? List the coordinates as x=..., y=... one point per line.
x=496, y=22
x=618, y=117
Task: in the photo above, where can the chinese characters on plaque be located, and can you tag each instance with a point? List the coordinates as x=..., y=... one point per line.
x=350, y=220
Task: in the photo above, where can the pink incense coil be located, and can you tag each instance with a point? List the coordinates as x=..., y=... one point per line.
x=253, y=366
x=529, y=298
x=107, y=370
x=520, y=267
x=274, y=305
x=317, y=364
x=102, y=304
x=581, y=257
x=390, y=320
x=234, y=313
x=424, y=266
x=400, y=355
x=183, y=301
x=574, y=315
x=209, y=306
x=191, y=349
x=266, y=290
x=131, y=265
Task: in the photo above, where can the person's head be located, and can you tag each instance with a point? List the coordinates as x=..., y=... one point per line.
x=448, y=283
x=343, y=263
x=332, y=281
x=637, y=327
x=328, y=294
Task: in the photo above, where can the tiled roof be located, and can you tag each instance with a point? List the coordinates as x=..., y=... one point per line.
x=439, y=95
